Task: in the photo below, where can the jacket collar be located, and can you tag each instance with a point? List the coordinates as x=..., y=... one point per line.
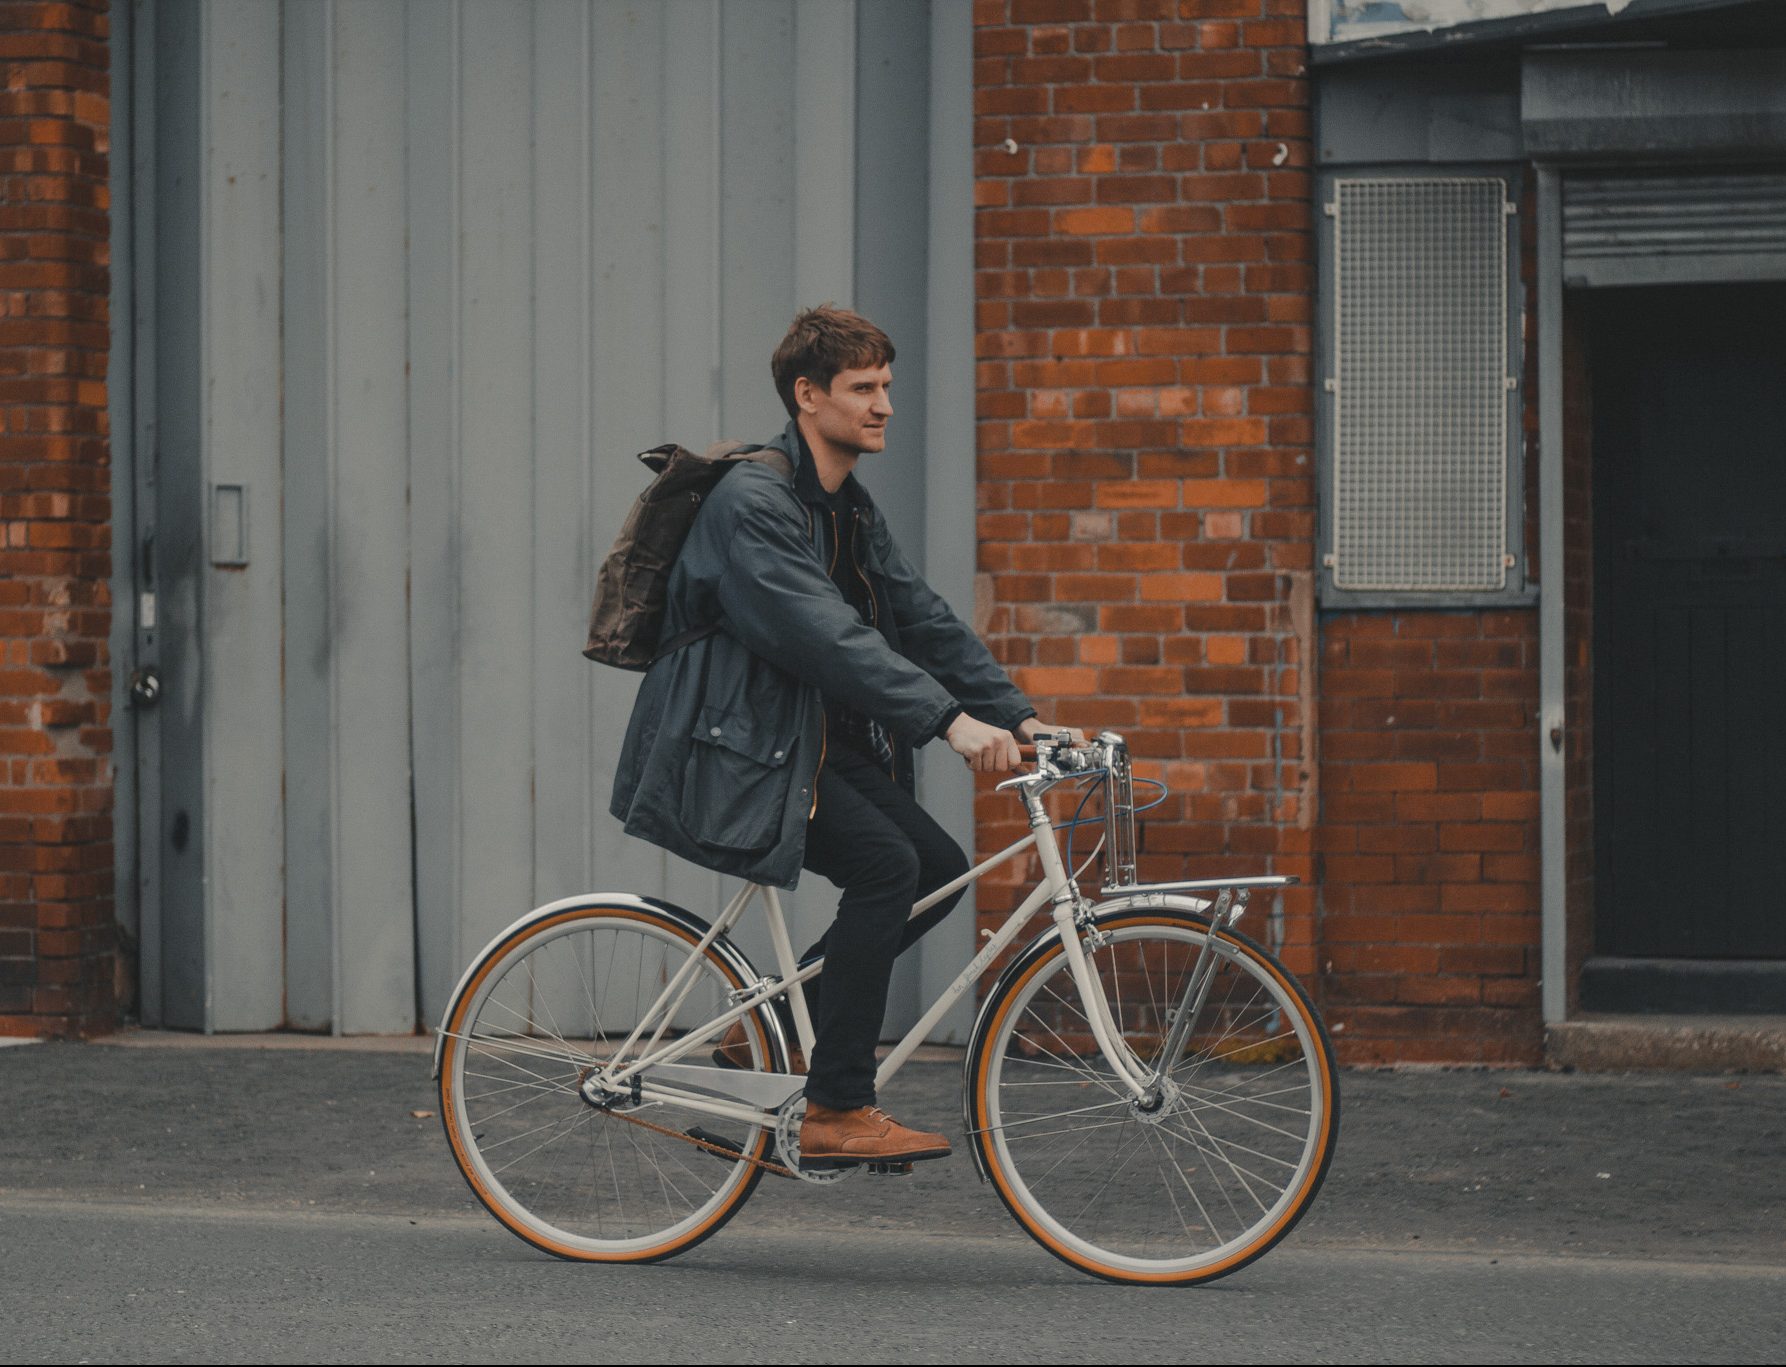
x=806, y=474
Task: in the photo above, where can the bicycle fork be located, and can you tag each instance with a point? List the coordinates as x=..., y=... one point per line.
x=1143, y=1079
x=1136, y=1076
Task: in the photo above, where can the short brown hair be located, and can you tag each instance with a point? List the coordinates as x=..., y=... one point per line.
x=821, y=342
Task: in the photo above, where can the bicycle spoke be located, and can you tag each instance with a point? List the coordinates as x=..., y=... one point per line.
x=1243, y=1148
x=1178, y=1172
x=1241, y=1174
x=1010, y=1125
x=1243, y=1099
x=559, y=1125
x=541, y=1021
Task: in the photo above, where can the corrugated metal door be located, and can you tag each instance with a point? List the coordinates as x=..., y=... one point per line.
x=521, y=240
x=1674, y=227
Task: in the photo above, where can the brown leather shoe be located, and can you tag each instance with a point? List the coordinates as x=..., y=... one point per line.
x=734, y=1051
x=866, y=1134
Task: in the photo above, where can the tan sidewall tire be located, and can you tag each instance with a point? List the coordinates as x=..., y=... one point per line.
x=980, y=1072
x=449, y=1110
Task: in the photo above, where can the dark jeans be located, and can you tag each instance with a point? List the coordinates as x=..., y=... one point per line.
x=876, y=843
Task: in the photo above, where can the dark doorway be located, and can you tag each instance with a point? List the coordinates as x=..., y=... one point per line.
x=1689, y=404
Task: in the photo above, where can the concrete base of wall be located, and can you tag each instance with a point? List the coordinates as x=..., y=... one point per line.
x=1608, y=1043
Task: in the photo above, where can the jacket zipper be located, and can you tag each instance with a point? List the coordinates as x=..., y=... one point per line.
x=874, y=619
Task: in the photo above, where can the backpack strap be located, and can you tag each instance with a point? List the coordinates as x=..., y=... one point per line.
x=683, y=638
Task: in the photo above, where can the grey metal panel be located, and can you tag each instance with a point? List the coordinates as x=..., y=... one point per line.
x=756, y=207
x=1673, y=228
x=647, y=329
x=1455, y=112
x=1676, y=268
x=309, y=752
x=563, y=54
x=689, y=62
x=176, y=967
x=1553, y=719
x=122, y=409
x=892, y=240
x=493, y=516
x=949, y=448
x=757, y=282
x=892, y=62
x=369, y=610
x=1653, y=104
x=433, y=43
x=350, y=933
x=825, y=152
x=239, y=229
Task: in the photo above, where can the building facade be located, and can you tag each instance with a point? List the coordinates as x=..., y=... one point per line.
x=1371, y=417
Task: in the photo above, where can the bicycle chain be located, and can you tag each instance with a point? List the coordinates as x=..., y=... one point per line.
x=719, y=1149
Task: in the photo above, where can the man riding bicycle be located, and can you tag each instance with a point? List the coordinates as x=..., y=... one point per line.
x=784, y=740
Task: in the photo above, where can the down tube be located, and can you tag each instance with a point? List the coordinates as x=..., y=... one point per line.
x=963, y=981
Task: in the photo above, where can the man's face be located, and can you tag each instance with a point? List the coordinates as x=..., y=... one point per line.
x=854, y=412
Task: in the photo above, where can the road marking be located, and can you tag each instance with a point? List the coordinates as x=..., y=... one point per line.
x=1422, y=1258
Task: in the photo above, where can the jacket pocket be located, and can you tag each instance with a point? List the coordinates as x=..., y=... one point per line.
x=735, y=786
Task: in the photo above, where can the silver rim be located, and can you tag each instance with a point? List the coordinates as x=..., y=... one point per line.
x=554, y=1005
x=1212, y=1177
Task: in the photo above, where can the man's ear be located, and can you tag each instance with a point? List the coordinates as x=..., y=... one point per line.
x=805, y=395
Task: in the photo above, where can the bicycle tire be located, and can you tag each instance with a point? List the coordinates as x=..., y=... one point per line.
x=503, y=1035
x=1238, y=1149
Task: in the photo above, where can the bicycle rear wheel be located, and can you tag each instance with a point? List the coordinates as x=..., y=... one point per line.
x=547, y=1004
x=1231, y=1157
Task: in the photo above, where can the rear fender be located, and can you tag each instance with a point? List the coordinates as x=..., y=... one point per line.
x=729, y=953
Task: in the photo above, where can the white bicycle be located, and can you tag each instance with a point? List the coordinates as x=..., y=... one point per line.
x=1152, y=1094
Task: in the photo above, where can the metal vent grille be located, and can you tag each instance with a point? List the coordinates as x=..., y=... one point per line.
x=1420, y=385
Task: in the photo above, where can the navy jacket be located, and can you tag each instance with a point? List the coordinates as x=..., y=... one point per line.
x=727, y=735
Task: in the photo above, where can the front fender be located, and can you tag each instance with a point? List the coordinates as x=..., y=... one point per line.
x=732, y=956
x=1153, y=901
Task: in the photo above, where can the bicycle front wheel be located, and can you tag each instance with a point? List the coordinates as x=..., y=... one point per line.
x=630, y=1181
x=1225, y=1163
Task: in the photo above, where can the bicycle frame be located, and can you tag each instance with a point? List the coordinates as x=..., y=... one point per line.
x=654, y=1069
x=654, y=1072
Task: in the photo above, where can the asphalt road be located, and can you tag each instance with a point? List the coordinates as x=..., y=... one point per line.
x=162, y=1204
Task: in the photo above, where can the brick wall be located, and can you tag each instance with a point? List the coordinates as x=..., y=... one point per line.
x=1429, y=836
x=1430, y=883
x=57, y=942
x=1145, y=293
x=1144, y=274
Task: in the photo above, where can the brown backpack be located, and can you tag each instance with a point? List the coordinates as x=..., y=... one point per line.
x=633, y=581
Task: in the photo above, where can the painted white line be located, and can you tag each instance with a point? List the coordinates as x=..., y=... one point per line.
x=1306, y=1253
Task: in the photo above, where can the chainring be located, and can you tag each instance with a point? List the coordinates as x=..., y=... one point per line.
x=787, y=1145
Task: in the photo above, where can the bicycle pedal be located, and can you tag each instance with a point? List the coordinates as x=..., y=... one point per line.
x=890, y=1169
x=827, y=1164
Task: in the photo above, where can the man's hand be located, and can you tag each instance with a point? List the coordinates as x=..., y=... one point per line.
x=1030, y=725
x=987, y=749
